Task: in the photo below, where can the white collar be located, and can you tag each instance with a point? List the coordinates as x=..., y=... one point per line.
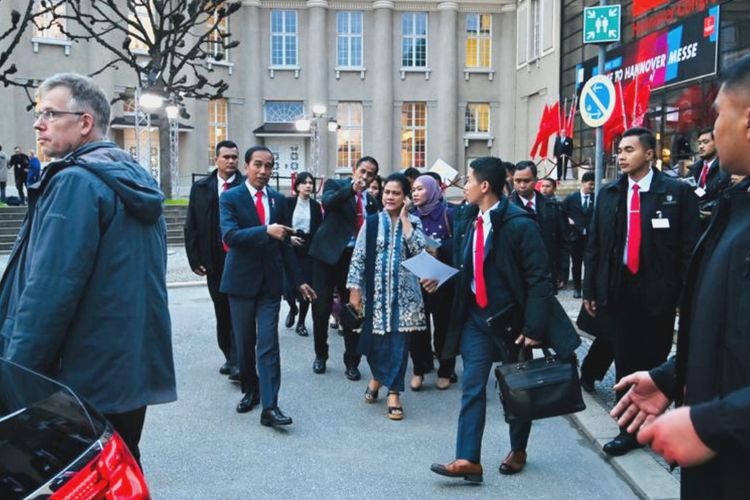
x=253, y=190
x=228, y=181
x=485, y=215
x=644, y=184
x=527, y=200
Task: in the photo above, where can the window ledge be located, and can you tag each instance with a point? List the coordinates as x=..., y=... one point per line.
x=475, y=136
x=273, y=69
x=350, y=69
x=223, y=63
x=490, y=72
x=407, y=69
x=36, y=41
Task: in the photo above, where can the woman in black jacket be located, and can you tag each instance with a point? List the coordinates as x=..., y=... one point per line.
x=306, y=218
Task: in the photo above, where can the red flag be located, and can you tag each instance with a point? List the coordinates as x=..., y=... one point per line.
x=540, y=131
x=617, y=122
x=642, y=96
x=570, y=123
x=551, y=126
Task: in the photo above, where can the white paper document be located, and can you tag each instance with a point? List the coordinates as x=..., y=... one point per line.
x=445, y=171
x=425, y=266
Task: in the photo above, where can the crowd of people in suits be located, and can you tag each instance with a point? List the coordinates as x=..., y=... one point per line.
x=633, y=252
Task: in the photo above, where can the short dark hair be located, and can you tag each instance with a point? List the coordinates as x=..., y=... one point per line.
x=226, y=144
x=509, y=167
x=368, y=159
x=737, y=75
x=490, y=169
x=251, y=151
x=588, y=177
x=706, y=130
x=302, y=177
x=551, y=181
x=644, y=135
x=527, y=164
x=401, y=179
x=412, y=173
x=379, y=180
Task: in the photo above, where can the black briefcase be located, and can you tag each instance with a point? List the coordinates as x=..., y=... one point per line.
x=539, y=388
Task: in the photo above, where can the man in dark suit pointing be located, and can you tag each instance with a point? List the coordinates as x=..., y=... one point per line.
x=254, y=225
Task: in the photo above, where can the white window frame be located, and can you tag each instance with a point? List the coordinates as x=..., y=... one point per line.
x=345, y=124
x=216, y=124
x=531, y=19
x=265, y=115
x=349, y=36
x=415, y=38
x=284, y=34
x=470, y=135
x=224, y=61
x=488, y=70
x=41, y=37
x=413, y=128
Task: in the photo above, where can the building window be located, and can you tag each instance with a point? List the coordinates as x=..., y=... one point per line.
x=413, y=133
x=477, y=119
x=349, y=135
x=478, y=41
x=140, y=26
x=130, y=144
x=535, y=41
x=216, y=50
x=414, y=40
x=45, y=24
x=283, y=111
x=283, y=38
x=349, y=39
x=217, y=125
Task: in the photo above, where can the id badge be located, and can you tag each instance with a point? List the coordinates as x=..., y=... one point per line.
x=660, y=223
x=700, y=192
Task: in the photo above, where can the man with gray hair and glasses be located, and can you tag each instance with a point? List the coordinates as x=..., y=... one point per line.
x=83, y=298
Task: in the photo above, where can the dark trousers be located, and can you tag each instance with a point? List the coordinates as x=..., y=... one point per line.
x=577, y=249
x=325, y=278
x=255, y=323
x=20, y=182
x=129, y=426
x=562, y=166
x=639, y=341
x=437, y=309
x=597, y=360
x=477, y=349
x=223, y=318
x=2, y=191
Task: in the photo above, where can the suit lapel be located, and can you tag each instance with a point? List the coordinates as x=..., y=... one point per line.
x=272, y=208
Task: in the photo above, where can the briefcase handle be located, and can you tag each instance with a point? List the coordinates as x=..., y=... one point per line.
x=549, y=356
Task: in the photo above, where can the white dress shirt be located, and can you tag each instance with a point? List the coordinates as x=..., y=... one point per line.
x=301, y=215
x=526, y=202
x=487, y=227
x=585, y=200
x=643, y=186
x=220, y=183
x=266, y=207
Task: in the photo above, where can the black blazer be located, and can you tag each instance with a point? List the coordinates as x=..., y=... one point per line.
x=338, y=225
x=256, y=262
x=664, y=254
x=316, y=214
x=554, y=226
x=573, y=209
x=563, y=146
x=202, y=231
x=717, y=181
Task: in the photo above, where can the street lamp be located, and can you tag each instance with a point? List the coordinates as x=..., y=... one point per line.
x=172, y=111
x=312, y=124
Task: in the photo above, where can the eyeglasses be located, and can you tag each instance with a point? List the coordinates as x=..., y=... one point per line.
x=50, y=115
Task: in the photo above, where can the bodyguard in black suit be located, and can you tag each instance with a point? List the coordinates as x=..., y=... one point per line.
x=203, y=245
x=563, y=151
x=254, y=225
x=578, y=208
x=346, y=203
x=710, y=179
x=548, y=214
x=503, y=267
x=644, y=229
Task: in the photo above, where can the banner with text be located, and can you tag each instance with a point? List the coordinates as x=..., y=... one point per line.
x=683, y=52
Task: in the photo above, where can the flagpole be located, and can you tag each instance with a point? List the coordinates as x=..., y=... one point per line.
x=599, y=163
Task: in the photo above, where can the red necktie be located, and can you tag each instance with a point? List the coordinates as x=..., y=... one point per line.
x=530, y=206
x=259, y=207
x=634, y=236
x=226, y=186
x=704, y=174
x=481, y=288
x=358, y=211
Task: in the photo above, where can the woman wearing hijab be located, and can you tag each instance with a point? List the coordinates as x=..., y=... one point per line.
x=436, y=217
x=306, y=218
x=389, y=294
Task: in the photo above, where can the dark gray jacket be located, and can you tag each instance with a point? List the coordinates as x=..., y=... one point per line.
x=84, y=297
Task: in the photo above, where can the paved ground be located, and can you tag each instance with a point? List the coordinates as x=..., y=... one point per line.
x=338, y=447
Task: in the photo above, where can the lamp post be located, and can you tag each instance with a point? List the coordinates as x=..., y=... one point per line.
x=173, y=113
x=145, y=102
x=313, y=125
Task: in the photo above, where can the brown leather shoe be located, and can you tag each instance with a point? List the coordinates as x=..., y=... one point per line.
x=513, y=463
x=460, y=468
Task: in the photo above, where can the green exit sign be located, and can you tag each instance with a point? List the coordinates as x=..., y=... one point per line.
x=602, y=24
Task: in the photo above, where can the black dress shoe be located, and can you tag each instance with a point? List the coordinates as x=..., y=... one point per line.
x=622, y=444
x=274, y=417
x=225, y=369
x=290, y=318
x=301, y=331
x=248, y=402
x=319, y=366
x=234, y=375
x=352, y=373
x=577, y=294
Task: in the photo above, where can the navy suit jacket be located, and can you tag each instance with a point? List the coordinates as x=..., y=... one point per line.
x=256, y=262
